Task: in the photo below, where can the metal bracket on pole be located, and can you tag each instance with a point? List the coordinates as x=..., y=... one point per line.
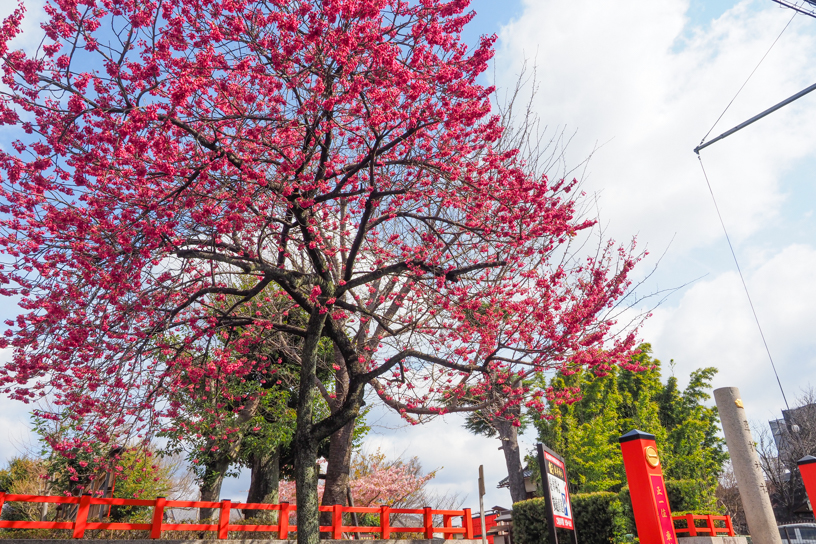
x=756, y=118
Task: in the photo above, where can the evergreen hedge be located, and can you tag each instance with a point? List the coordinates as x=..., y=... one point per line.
x=603, y=518
x=599, y=519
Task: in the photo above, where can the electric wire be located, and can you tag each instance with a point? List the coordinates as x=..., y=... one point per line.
x=719, y=215
x=748, y=78
x=744, y=285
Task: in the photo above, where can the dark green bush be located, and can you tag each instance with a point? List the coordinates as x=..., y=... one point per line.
x=530, y=522
x=598, y=520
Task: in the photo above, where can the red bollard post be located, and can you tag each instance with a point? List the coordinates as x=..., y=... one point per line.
x=729, y=525
x=691, y=527
x=447, y=523
x=646, y=488
x=807, y=468
x=337, y=521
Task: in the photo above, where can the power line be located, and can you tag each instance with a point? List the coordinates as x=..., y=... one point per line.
x=744, y=285
x=703, y=144
x=746, y=81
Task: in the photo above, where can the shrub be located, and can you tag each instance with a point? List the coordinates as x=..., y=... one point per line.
x=23, y=476
x=530, y=521
x=599, y=519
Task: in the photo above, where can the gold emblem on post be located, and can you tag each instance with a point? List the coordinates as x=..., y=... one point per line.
x=651, y=456
x=738, y=402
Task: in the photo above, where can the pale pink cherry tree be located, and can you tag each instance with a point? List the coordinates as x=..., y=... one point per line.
x=176, y=155
x=375, y=480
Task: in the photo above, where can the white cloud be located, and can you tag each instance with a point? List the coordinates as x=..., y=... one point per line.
x=713, y=326
x=629, y=75
x=637, y=78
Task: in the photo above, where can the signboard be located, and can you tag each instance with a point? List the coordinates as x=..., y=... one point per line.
x=559, y=494
x=556, y=493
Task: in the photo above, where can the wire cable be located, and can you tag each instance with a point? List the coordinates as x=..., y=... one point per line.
x=749, y=78
x=744, y=285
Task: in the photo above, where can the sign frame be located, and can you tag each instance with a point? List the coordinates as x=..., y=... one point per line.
x=543, y=453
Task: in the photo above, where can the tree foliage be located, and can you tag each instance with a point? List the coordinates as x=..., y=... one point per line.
x=176, y=155
x=614, y=402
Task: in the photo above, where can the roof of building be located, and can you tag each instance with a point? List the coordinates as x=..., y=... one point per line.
x=528, y=472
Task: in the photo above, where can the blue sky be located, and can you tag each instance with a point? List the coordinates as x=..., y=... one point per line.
x=643, y=82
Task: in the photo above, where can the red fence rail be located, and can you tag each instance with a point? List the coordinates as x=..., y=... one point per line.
x=709, y=530
x=223, y=526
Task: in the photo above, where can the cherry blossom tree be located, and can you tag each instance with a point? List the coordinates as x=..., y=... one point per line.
x=176, y=155
x=376, y=480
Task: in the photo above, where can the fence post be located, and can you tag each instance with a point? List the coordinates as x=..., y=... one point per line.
x=2, y=499
x=429, y=532
x=158, y=518
x=82, y=516
x=710, y=521
x=223, y=519
x=728, y=525
x=283, y=521
x=446, y=524
x=467, y=523
x=337, y=521
x=385, y=522
x=690, y=522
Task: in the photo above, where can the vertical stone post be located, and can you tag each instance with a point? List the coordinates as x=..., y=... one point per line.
x=753, y=490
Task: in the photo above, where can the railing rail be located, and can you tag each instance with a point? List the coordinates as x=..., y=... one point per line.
x=223, y=525
x=710, y=528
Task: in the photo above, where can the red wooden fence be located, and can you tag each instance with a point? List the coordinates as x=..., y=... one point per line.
x=709, y=530
x=223, y=526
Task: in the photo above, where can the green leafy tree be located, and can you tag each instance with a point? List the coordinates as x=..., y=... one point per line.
x=618, y=400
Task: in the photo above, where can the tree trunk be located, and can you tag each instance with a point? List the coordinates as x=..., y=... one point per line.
x=216, y=469
x=340, y=443
x=508, y=434
x=211, y=483
x=263, y=486
x=337, y=474
x=305, y=444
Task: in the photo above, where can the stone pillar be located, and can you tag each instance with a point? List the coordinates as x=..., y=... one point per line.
x=753, y=490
